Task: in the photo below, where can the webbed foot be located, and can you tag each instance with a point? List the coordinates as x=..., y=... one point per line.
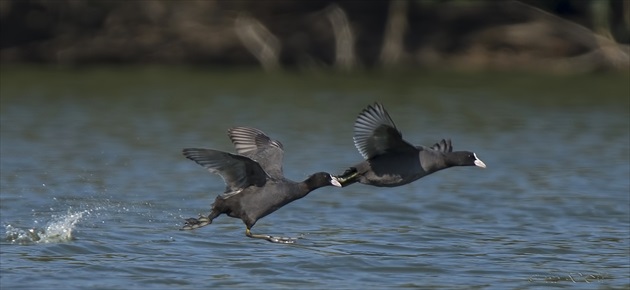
x=194, y=223
x=348, y=177
x=279, y=240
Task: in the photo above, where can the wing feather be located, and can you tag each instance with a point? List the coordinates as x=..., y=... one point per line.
x=238, y=172
x=375, y=133
x=255, y=144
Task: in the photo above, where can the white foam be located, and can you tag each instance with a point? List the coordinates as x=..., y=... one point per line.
x=59, y=229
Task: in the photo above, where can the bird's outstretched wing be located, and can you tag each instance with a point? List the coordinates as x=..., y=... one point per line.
x=256, y=145
x=237, y=171
x=375, y=133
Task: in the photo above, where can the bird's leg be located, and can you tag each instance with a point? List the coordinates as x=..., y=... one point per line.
x=348, y=177
x=194, y=223
x=281, y=240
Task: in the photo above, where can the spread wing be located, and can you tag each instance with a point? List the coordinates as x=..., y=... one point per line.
x=255, y=144
x=237, y=171
x=375, y=133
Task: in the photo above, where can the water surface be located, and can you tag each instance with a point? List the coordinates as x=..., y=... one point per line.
x=94, y=188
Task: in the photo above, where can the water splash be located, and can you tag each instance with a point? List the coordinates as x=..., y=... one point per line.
x=59, y=229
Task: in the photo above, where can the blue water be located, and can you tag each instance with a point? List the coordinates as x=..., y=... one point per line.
x=93, y=186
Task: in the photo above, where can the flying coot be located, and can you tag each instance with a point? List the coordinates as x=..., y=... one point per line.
x=255, y=184
x=392, y=161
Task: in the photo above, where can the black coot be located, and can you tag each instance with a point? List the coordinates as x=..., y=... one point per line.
x=255, y=184
x=392, y=161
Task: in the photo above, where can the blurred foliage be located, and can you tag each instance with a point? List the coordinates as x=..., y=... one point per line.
x=556, y=35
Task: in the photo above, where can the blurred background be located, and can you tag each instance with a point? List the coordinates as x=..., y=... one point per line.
x=557, y=35
x=98, y=98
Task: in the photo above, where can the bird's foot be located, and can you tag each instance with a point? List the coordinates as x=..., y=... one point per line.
x=193, y=223
x=347, y=177
x=282, y=240
x=279, y=240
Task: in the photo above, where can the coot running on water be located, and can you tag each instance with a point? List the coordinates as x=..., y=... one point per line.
x=255, y=184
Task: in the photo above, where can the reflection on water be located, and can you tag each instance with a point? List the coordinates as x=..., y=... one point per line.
x=92, y=177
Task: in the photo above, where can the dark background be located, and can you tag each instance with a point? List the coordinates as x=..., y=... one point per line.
x=565, y=35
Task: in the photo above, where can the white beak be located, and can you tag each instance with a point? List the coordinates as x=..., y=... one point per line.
x=478, y=162
x=335, y=182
